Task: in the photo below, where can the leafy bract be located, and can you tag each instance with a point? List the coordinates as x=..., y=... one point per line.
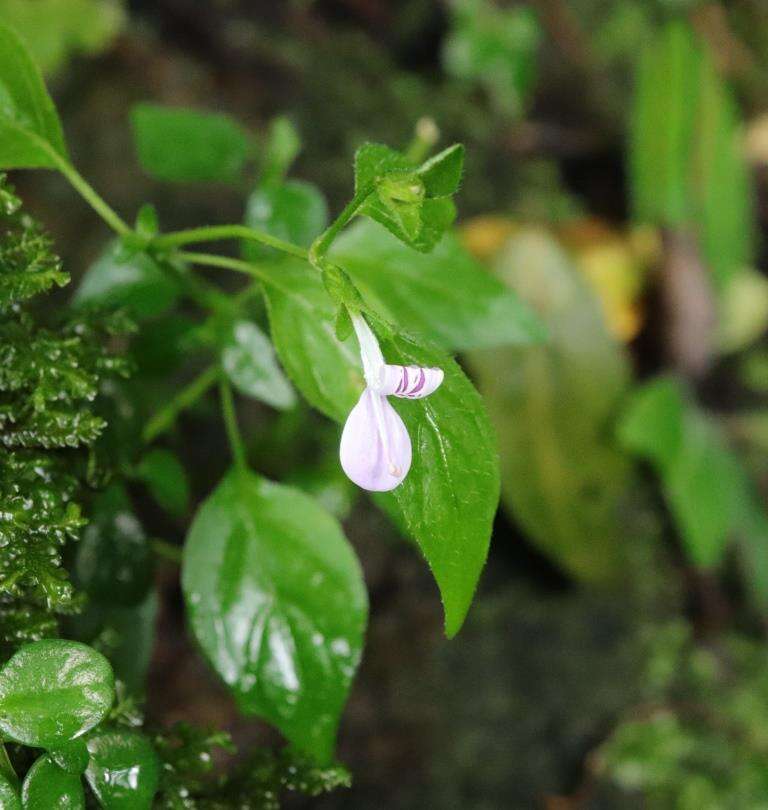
x=30, y=130
x=52, y=691
x=249, y=361
x=182, y=145
x=124, y=770
x=166, y=479
x=446, y=296
x=441, y=174
x=276, y=599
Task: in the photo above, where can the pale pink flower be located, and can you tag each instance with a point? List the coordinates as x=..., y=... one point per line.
x=375, y=446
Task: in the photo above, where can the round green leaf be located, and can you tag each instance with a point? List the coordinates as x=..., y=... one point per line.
x=72, y=756
x=124, y=770
x=114, y=562
x=9, y=799
x=52, y=691
x=47, y=786
x=276, y=599
x=249, y=360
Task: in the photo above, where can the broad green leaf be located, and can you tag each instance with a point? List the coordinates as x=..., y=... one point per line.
x=114, y=562
x=451, y=493
x=563, y=479
x=48, y=786
x=275, y=597
x=124, y=771
x=249, y=361
x=301, y=318
x=687, y=167
x=9, y=798
x=293, y=211
x=30, y=131
x=446, y=296
x=72, y=756
x=137, y=282
x=58, y=29
x=181, y=145
x=702, y=481
x=52, y=691
x=166, y=479
x=441, y=174
x=449, y=498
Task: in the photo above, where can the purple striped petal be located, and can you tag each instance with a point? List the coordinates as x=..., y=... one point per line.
x=375, y=449
x=412, y=382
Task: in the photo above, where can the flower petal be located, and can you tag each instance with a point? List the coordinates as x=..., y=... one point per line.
x=412, y=382
x=375, y=449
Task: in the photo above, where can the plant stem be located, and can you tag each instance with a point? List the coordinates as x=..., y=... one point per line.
x=425, y=137
x=166, y=550
x=166, y=416
x=230, y=423
x=212, y=260
x=322, y=244
x=88, y=193
x=217, y=233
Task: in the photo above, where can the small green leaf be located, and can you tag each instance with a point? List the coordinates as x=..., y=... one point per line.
x=249, y=361
x=9, y=798
x=30, y=131
x=343, y=325
x=181, y=145
x=447, y=296
x=441, y=174
x=276, y=599
x=301, y=318
x=47, y=786
x=374, y=161
x=294, y=211
x=166, y=479
x=72, y=756
x=137, y=282
x=282, y=147
x=52, y=691
x=124, y=771
x=114, y=563
x=147, y=222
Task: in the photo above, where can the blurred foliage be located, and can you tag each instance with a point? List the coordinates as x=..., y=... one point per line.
x=697, y=738
x=56, y=30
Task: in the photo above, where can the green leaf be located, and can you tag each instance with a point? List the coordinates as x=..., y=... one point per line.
x=9, y=798
x=181, y=145
x=250, y=363
x=301, y=317
x=562, y=477
x=72, y=756
x=166, y=479
x=47, y=786
x=136, y=281
x=701, y=478
x=441, y=174
x=276, y=599
x=282, y=147
x=52, y=691
x=114, y=562
x=58, y=29
x=687, y=167
x=374, y=161
x=446, y=296
x=124, y=770
x=448, y=499
x=30, y=131
x=294, y=211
